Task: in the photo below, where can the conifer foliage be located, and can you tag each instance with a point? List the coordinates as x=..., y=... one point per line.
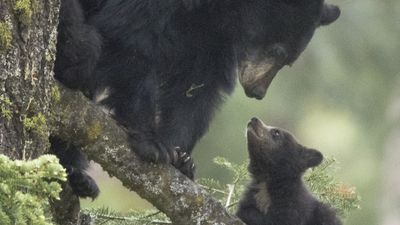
x=26, y=187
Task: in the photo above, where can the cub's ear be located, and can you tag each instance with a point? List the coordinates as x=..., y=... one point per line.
x=312, y=157
x=330, y=13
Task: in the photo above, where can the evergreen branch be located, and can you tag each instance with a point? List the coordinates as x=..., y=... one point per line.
x=26, y=188
x=229, y=198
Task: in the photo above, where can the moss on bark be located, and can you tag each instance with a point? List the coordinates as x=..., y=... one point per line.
x=5, y=35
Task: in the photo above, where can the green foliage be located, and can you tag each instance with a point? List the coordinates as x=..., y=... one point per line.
x=322, y=183
x=26, y=188
x=228, y=194
x=320, y=180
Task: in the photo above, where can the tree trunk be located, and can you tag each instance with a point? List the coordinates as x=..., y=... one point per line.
x=28, y=31
x=32, y=106
x=27, y=48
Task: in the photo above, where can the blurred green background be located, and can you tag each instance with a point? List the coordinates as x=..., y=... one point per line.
x=335, y=98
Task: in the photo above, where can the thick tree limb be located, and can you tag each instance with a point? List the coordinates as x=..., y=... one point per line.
x=105, y=142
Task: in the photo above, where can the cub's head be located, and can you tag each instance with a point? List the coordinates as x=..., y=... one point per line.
x=275, y=153
x=273, y=34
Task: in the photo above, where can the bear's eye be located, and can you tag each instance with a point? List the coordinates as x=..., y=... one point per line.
x=275, y=133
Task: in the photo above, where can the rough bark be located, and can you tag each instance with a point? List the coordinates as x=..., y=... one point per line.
x=27, y=46
x=32, y=107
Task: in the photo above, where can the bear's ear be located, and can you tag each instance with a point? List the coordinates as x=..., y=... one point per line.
x=330, y=13
x=312, y=157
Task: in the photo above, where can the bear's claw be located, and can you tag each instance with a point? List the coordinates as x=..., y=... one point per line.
x=185, y=163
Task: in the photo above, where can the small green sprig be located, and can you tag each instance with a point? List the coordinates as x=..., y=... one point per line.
x=26, y=188
x=321, y=181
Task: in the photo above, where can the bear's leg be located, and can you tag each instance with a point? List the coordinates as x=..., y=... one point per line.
x=75, y=163
x=184, y=120
x=134, y=103
x=78, y=48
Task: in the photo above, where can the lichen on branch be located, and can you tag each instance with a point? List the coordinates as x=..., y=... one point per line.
x=24, y=10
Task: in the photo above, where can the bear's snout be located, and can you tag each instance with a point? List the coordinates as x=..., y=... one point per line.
x=256, y=128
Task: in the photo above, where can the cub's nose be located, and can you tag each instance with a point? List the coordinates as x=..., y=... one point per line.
x=254, y=122
x=257, y=123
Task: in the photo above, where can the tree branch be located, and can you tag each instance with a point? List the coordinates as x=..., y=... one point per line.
x=86, y=125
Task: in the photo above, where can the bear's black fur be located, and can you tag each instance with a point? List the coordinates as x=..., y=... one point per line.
x=162, y=67
x=277, y=194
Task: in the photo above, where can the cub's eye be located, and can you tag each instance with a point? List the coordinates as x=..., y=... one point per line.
x=275, y=133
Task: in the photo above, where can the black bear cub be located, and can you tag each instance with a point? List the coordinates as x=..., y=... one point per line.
x=277, y=194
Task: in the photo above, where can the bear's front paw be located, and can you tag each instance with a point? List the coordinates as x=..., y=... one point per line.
x=155, y=151
x=185, y=163
x=82, y=184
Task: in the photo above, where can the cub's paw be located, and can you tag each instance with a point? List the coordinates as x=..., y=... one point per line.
x=82, y=184
x=185, y=163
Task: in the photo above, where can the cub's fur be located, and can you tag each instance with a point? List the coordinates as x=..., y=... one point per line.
x=277, y=194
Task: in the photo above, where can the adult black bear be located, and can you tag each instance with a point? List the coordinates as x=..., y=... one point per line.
x=162, y=67
x=277, y=195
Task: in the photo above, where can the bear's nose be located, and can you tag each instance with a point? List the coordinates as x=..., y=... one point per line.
x=257, y=92
x=254, y=120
